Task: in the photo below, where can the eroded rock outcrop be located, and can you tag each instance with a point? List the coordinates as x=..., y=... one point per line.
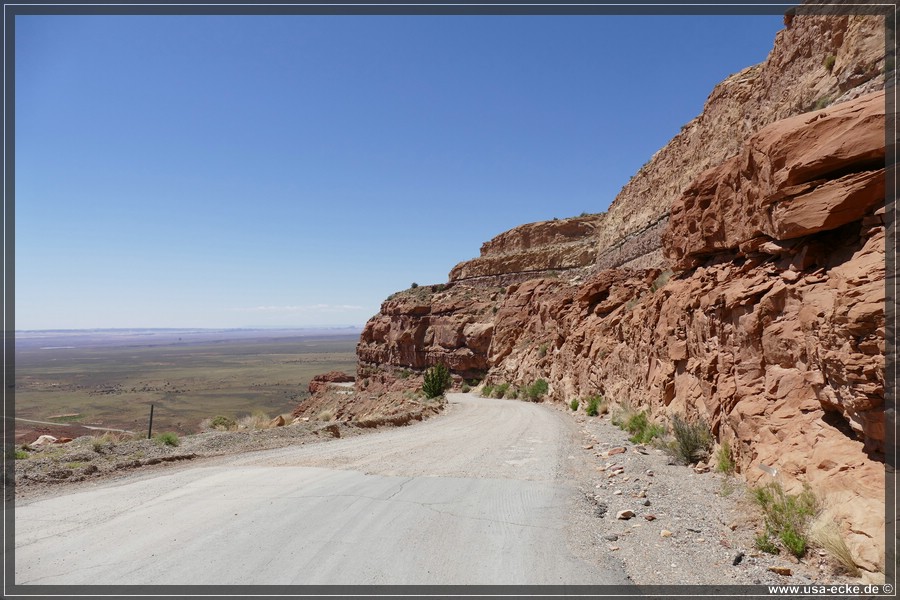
x=323, y=380
x=777, y=340
x=427, y=325
x=532, y=250
x=758, y=305
x=795, y=78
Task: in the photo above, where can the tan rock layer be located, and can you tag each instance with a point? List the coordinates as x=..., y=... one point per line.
x=794, y=79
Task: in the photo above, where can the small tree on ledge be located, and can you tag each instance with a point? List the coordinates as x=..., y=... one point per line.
x=437, y=379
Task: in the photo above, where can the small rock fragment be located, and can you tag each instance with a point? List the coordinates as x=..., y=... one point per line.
x=665, y=533
x=616, y=450
x=650, y=517
x=781, y=570
x=611, y=537
x=42, y=441
x=737, y=558
x=624, y=514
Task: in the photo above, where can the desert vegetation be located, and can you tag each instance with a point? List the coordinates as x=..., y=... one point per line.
x=436, y=381
x=787, y=518
x=537, y=390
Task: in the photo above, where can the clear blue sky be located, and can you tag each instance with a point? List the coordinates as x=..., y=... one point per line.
x=234, y=171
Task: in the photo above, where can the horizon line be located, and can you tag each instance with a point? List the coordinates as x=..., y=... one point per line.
x=241, y=328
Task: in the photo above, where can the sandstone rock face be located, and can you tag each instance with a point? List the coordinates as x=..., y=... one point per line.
x=322, y=381
x=803, y=175
x=423, y=327
x=535, y=248
x=778, y=342
x=758, y=305
x=794, y=79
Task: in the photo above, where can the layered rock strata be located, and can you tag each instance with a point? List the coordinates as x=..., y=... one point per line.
x=816, y=61
x=755, y=292
x=770, y=324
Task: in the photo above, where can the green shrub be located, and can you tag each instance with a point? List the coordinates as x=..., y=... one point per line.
x=487, y=390
x=512, y=393
x=542, y=351
x=692, y=440
x=168, y=438
x=465, y=388
x=793, y=541
x=536, y=390
x=437, y=379
x=786, y=516
x=724, y=460
x=640, y=427
x=829, y=62
x=596, y=405
x=574, y=404
x=500, y=390
x=763, y=543
x=414, y=285
x=223, y=423
x=20, y=454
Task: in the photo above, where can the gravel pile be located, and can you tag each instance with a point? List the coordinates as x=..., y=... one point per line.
x=671, y=525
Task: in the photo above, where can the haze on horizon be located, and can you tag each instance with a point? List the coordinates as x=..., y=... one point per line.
x=293, y=171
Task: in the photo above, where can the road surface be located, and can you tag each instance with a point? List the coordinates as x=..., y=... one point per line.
x=481, y=494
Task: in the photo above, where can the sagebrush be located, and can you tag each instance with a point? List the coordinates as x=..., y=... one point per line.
x=693, y=440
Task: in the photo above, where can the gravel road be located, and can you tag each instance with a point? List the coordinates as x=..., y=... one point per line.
x=482, y=494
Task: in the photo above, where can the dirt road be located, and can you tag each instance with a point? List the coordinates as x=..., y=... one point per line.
x=481, y=494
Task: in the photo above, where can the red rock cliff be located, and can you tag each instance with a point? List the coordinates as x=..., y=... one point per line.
x=759, y=304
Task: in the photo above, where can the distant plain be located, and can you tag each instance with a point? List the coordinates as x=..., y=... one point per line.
x=110, y=378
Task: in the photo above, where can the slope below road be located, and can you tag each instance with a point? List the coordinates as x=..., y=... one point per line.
x=479, y=495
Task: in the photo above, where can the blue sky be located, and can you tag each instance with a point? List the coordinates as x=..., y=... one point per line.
x=243, y=171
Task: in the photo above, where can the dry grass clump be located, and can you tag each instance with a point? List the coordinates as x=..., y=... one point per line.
x=325, y=415
x=824, y=532
x=693, y=440
x=596, y=405
x=109, y=439
x=257, y=420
